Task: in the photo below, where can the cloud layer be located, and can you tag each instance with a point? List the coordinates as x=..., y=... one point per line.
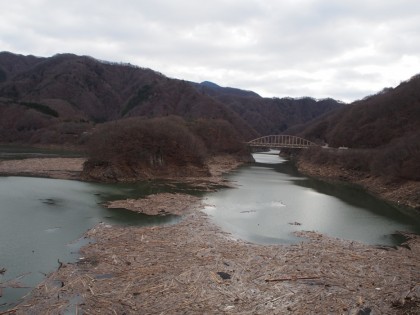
x=319, y=48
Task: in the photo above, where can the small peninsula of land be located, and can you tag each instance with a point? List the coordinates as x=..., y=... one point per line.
x=61, y=168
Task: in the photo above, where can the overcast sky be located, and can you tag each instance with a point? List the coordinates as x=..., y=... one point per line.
x=345, y=49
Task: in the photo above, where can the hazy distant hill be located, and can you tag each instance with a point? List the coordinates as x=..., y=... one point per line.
x=58, y=99
x=269, y=115
x=11, y=64
x=213, y=89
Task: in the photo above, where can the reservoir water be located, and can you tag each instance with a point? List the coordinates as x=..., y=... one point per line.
x=42, y=220
x=272, y=200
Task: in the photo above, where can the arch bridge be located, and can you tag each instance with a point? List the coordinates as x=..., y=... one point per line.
x=281, y=141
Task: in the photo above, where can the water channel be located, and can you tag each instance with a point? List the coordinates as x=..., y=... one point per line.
x=42, y=220
x=273, y=200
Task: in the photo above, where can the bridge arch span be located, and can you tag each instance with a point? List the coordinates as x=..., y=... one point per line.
x=281, y=141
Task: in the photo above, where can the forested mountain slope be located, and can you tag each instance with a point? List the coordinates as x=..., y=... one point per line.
x=58, y=99
x=382, y=132
x=377, y=120
x=270, y=115
x=41, y=96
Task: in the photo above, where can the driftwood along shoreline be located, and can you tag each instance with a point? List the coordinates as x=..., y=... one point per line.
x=193, y=267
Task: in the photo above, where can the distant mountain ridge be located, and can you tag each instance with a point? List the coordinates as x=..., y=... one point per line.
x=269, y=115
x=215, y=90
x=59, y=98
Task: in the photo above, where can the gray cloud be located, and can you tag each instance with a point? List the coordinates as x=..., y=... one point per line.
x=319, y=48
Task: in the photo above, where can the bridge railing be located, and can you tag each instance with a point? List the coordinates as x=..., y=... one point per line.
x=281, y=141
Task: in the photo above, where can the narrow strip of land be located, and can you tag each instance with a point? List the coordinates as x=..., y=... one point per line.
x=62, y=168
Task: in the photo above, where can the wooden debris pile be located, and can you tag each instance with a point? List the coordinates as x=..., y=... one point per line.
x=157, y=204
x=194, y=268
x=11, y=283
x=63, y=168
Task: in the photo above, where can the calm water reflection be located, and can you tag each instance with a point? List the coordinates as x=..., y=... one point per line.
x=272, y=195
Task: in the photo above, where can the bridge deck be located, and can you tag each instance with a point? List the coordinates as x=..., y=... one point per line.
x=281, y=141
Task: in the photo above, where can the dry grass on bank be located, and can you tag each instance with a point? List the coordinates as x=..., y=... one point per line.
x=62, y=168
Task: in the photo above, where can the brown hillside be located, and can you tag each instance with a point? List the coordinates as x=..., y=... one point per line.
x=374, y=121
x=11, y=64
x=69, y=88
x=382, y=131
x=80, y=89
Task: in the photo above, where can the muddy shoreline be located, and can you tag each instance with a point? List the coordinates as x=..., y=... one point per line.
x=401, y=193
x=60, y=168
x=193, y=267
x=72, y=168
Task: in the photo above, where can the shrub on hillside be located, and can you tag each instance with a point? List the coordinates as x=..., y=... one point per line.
x=153, y=143
x=356, y=160
x=219, y=136
x=401, y=158
x=398, y=160
x=137, y=148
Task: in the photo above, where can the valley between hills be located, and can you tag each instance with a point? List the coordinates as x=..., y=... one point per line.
x=134, y=124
